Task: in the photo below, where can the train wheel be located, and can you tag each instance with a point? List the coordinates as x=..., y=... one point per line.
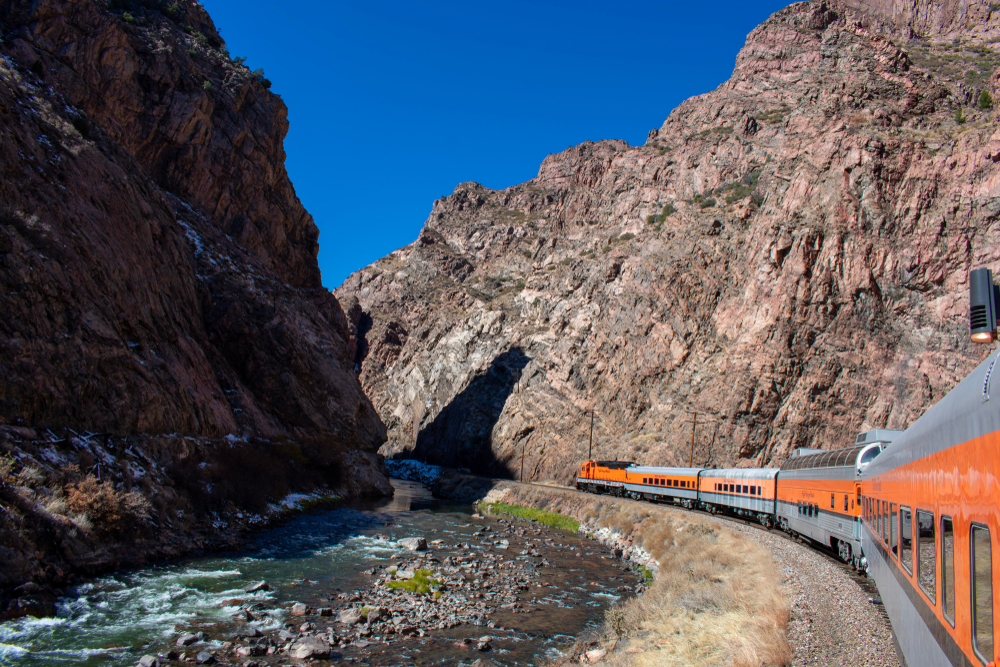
x=844, y=550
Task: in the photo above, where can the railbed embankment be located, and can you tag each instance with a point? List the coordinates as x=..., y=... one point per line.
x=718, y=600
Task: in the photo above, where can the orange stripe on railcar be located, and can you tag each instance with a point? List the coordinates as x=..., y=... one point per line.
x=955, y=488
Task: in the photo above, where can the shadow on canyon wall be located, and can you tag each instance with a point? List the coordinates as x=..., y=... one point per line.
x=461, y=434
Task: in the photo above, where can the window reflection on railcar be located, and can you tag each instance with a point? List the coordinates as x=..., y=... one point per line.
x=906, y=539
x=982, y=592
x=926, y=554
x=948, y=569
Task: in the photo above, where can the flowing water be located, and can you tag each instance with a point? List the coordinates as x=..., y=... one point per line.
x=114, y=620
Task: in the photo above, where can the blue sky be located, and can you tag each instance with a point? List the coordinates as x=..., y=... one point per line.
x=392, y=104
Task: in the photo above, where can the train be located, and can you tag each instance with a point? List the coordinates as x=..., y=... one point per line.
x=792, y=497
x=917, y=510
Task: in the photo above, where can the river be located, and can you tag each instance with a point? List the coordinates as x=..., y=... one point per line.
x=323, y=558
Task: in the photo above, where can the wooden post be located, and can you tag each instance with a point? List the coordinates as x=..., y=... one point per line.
x=590, y=450
x=694, y=423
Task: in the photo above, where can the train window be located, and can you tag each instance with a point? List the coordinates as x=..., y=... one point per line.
x=746, y=489
x=906, y=538
x=982, y=592
x=885, y=522
x=948, y=569
x=833, y=503
x=925, y=550
x=845, y=502
x=893, y=531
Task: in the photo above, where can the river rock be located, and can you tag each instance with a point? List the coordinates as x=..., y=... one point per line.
x=413, y=543
x=257, y=586
x=148, y=661
x=405, y=574
x=250, y=651
x=189, y=638
x=298, y=609
x=204, y=658
x=595, y=655
x=349, y=616
x=309, y=647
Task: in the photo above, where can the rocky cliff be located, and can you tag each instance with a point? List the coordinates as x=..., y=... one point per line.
x=163, y=315
x=782, y=264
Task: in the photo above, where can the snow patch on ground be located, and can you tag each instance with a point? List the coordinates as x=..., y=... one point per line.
x=412, y=470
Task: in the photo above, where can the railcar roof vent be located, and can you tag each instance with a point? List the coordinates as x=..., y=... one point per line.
x=802, y=451
x=882, y=435
x=983, y=301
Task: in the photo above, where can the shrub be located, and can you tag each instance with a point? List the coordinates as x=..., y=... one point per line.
x=239, y=60
x=111, y=511
x=528, y=254
x=959, y=118
x=201, y=40
x=259, y=75
x=519, y=285
x=985, y=101
x=627, y=236
x=707, y=203
x=128, y=18
x=207, y=86
x=606, y=249
x=171, y=11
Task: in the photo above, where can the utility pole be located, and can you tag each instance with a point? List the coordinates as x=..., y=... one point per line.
x=694, y=423
x=590, y=450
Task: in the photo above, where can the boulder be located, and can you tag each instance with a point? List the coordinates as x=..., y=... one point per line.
x=349, y=616
x=309, y=647
x=148, y=661
x=204, y=658
x=189, y=638
x=413, y=543
x=257, y=586
x=595, y=655
x=298, y=609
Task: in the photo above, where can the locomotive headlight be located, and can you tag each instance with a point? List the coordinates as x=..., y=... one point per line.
x=982, y=306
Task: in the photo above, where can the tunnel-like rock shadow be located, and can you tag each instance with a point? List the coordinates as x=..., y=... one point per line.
x=461, y=435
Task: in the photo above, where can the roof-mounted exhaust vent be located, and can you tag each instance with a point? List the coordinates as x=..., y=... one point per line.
x=982, y=306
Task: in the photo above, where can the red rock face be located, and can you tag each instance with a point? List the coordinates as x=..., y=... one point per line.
x=786, y=257
x=158, y=272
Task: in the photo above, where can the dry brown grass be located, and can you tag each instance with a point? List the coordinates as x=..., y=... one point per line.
x=109, y=510
x=718, y=599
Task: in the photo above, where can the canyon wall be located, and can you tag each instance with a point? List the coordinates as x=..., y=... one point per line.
x=158, y=284
x=782, y=264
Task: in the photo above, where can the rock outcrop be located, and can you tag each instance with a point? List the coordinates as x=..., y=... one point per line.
x=158, y=277
x=783, y=262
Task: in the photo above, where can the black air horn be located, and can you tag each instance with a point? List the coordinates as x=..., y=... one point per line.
x=983, y=299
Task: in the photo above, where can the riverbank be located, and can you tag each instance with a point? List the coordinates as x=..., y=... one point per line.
x=77, y=505
x=380, y=582
x=717, y=596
